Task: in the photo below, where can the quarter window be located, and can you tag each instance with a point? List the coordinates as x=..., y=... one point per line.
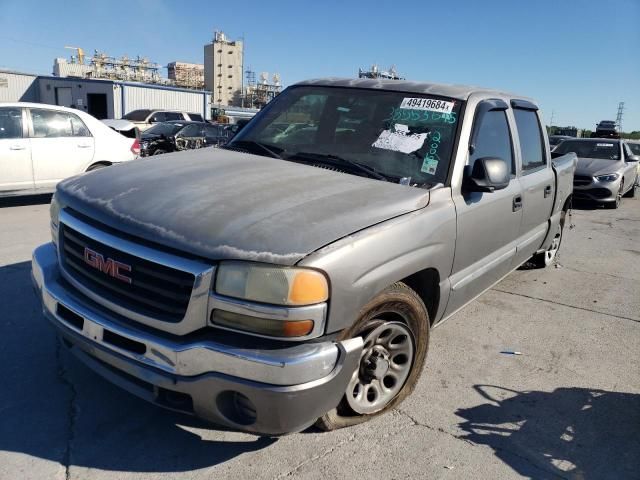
x=494, y=139
x=531, y=143
x=52, y=124
x=10, y=123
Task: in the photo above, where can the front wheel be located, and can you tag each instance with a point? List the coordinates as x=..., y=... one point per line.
x=395, y=330
x=632, y=191
x=616, y=203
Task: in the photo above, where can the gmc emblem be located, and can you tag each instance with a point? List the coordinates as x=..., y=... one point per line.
x=111, y=267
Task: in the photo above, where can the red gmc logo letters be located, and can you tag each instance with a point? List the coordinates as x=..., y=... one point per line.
x=111, y=267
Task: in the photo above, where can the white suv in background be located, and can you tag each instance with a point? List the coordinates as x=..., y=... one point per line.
x=43, y=144
x=144, y=118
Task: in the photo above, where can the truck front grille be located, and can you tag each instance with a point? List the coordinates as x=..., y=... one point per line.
x=144, y=287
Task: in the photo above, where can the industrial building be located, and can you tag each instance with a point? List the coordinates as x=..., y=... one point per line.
x=186, y=75
x=101, y=98
x=223, y=67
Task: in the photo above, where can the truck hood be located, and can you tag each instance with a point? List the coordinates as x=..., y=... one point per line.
x=220, y=204
x=595, y=166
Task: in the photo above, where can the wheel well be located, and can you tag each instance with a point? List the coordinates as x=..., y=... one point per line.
x=426, y=283
x=105, y=163
x=567, y=203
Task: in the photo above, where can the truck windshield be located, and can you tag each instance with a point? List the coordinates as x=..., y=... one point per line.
x=395, y=136
x=590, y=149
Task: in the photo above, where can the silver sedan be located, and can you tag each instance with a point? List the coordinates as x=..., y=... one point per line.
x=607, y=169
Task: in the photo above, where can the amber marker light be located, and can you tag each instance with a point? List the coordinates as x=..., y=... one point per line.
x=308, y=287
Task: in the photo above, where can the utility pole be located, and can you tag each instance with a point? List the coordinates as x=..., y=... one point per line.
x=553, y=114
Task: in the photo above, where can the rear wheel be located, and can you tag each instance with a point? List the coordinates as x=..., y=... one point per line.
x=546, y=258
x=395, y=330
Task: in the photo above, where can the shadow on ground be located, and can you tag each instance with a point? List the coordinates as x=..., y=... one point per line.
x=578, y=204
x=52, y=407
x=25, y=200
x=567, y=433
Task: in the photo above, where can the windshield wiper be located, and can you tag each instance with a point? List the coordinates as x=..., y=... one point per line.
x=336, y=160
x=252, y=143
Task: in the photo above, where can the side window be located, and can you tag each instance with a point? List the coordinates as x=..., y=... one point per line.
x=52, y=124
x=494, y=139
x=10, y=123
x=531, y=140
x=196, y=117
x=159, y=117
x=173, y=116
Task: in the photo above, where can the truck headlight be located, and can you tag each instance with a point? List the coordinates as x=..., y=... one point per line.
x=54, y=213
x=271, y=284
x=609, y=177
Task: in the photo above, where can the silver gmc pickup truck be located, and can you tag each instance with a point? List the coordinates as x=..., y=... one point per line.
x=294, y=276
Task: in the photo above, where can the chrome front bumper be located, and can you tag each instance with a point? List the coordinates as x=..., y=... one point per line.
x=273, y=380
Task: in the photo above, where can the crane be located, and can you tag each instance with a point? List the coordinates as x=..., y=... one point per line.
x=79, y=52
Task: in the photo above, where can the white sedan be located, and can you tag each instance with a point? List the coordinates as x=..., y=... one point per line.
x=43, y=144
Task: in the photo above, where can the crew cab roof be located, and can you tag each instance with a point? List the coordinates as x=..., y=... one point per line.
x=460, y=92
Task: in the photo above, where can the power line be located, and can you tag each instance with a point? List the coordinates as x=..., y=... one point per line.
x=28, y=43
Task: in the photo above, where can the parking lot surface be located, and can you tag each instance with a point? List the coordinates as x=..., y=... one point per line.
x=567, y=407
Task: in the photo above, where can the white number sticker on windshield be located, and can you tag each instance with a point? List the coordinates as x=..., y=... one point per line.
x=607, y=145
x=430, y=104
x=400, y=140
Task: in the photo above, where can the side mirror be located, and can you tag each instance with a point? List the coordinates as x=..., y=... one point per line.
x=633, y=158
x=486, y=175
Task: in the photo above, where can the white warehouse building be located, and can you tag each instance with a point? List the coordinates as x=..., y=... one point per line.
x=101, y=98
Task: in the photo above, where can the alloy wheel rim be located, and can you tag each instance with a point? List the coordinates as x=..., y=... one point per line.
x=385, y=365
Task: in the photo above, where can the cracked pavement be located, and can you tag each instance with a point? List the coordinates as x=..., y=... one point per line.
x=568, y=407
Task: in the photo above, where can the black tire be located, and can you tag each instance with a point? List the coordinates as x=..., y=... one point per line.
x=632, y=191
x=96, y=166
x=548, y=257
x=396, y=304
x=616, y=204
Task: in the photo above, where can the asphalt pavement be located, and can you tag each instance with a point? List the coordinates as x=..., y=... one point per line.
x=567, y=407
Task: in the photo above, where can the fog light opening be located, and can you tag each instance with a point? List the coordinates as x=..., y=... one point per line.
x=236, y=407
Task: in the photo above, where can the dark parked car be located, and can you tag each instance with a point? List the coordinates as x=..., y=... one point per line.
x=555, y=140
x=181, y=135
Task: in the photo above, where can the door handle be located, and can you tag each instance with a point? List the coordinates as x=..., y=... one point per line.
x=547, y=191
x=517, y=203
x=84, y=145
x=17, y=147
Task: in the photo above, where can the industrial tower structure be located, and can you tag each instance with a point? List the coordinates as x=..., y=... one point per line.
x=223, y=60
x=619, y=116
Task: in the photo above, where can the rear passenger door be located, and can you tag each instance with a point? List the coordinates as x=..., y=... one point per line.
x=536, y=178
x=16, y=172
x=61, y=146
x=488, y=223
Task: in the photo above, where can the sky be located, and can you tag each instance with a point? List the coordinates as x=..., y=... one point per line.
x=577, y=58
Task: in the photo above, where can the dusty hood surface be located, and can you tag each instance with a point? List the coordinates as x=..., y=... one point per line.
x=221, y=204
x=596, y=166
